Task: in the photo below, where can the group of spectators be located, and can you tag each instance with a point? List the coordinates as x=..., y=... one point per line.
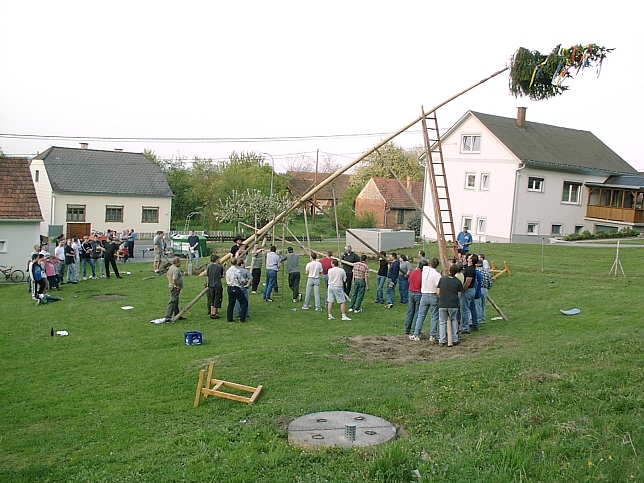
x=70, y=260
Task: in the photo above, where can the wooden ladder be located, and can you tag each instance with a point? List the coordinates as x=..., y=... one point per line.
x=445, y=233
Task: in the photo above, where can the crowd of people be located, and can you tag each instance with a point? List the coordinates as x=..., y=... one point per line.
x=76, y=259
x=457, y=296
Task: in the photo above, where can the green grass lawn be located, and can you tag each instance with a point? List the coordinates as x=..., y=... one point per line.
x=541, y=398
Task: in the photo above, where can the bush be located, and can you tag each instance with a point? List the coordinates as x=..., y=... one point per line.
x=601, y=235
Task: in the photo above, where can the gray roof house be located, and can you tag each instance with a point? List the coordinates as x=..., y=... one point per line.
x=511, y=180
x=84, y=190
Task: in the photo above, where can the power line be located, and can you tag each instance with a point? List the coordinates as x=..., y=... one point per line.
x=195, y=140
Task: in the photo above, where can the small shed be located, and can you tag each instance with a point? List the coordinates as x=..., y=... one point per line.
x=382, y=239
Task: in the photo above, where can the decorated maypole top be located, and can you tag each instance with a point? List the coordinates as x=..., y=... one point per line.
x=540, y=76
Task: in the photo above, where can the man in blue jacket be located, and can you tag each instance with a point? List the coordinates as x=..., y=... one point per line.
x=392, y=279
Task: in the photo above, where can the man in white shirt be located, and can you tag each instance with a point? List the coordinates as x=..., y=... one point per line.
x=428, y=301
x=59, y=253
x=335, y=292
x=313, y=270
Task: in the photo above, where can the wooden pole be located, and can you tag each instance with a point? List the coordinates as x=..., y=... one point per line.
x=283, y=267
x=306, y=226
x=496, y=307
x=335, y=209
x=331, y=178
x=185, y=309
x=315, y=182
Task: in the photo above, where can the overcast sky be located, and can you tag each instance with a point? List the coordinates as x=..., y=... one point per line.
x=319, y=70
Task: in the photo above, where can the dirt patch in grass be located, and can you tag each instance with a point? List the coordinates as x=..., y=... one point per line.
x=108, y=297
x=399, y=349
x=541, y=377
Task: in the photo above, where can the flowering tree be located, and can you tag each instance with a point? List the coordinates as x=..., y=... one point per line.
x=243, y=206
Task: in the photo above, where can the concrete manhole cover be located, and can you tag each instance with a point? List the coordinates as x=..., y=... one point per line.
x=339, y=428
x=108, y=297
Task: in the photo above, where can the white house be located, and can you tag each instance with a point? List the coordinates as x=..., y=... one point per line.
x=510, y=180
x=80, y=190
x=20, y=215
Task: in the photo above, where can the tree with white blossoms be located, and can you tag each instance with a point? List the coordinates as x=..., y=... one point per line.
x=243, y=206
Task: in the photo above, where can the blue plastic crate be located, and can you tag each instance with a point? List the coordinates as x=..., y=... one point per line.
x=193, y=337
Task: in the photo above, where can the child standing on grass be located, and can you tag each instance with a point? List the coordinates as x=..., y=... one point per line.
x=52, y=275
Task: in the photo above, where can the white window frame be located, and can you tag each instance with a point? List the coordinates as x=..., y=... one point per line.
x=467, y=221
x=37, y=176
x=552, y=229
x=579, y=229
x=3, y=246
x=468, y=175
x=542, y=182
x=484, y=182
x=535, y=231
x=472, y=140
x=481, y=223
x=569, y=201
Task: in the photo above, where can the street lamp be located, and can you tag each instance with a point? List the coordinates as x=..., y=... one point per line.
x=272, y=171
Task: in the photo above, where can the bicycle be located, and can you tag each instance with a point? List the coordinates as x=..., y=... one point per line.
x=16, y=276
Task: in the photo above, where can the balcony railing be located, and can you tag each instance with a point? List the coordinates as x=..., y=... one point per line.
x=626, y=215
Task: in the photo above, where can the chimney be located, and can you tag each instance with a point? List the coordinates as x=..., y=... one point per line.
x=409, y=183
x=521, y=117
x=84, y=145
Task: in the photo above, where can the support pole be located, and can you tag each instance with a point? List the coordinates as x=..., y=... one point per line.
x=496, y=307
x=185, y=309
x=335, y=209
x=306, y=226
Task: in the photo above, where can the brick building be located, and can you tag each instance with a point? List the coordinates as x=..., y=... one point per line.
x=390, y=204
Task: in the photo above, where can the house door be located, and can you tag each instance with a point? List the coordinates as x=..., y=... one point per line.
x=78, y=229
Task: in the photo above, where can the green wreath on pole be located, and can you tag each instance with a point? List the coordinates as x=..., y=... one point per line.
x=540, y=76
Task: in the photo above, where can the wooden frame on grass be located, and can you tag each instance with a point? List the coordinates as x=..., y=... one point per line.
x=218, y=384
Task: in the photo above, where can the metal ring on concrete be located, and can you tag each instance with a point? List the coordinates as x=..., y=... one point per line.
x=328, y=428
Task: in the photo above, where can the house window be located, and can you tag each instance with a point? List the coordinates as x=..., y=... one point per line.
x=114, y=213
x=76, y=213
x=571, y=192
x=579, y=229
x=3, y=246
x=533, y=228
x=150, y=214
x=617, y=198
x=535, y=184
x=467, y=221
x=471, y=144
x=400, y=218
x=629, y=199
x=470, y=181
x=37, y=176
x=485, y=181
x=480, y=226
x=555, y=229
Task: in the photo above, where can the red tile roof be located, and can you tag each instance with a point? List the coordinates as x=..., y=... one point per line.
x=18, y=199
x=301, y=182
x=395, y=196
